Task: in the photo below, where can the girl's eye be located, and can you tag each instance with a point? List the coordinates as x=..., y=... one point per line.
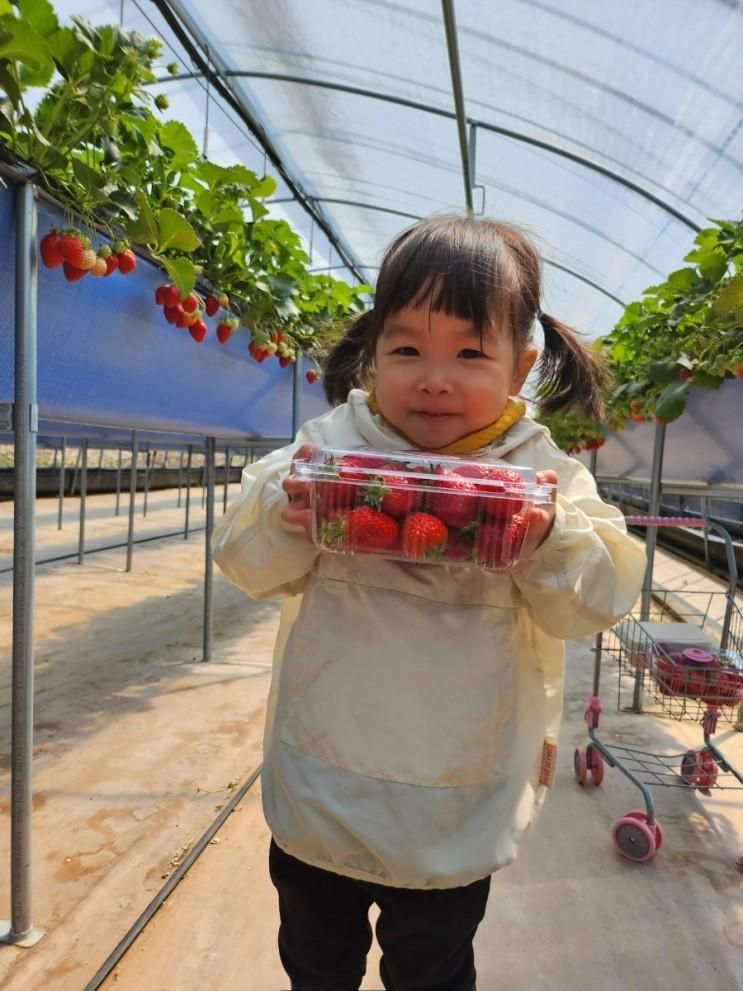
x=471, y=353
x=406, y=352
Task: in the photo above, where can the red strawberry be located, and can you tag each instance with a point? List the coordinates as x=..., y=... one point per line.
x=171, y=295
x=212, y=306
x=72, y=273
x=312, y=376
x=159, y=292
x=51, y=255
x=190, y=303
x=112, y=263
x=350, y=481
x=284, y=361
x=224, y=332
x=363, y=529
x=198, y=330
x=740, y=372
x=127, y=262
x=497, y=545
x=392, y=494
x=71, y=248
x=453, y=499
x=368, y=530
x=509, y=485
x=173, y=313
x=423, y=537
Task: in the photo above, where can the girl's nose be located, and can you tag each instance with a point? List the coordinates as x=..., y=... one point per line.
x=435, y=384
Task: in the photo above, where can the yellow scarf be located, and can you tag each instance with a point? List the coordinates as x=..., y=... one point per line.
x=513, y=412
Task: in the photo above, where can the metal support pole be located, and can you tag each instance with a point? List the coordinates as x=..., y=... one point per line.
x=227, y=457
x=208, y=563
x=61, y=483
x=651, y=539
x=705, y=533
x=202, y=478
x=452, y=45
x=118, y=484
x=83, y=496
x=19, y=930
x=75, y=473
x=148, y=462
x=189, y=458
x=132, y=500
x=180, y=477
x=297, y=396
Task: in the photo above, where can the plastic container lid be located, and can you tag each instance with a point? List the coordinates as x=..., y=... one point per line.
x=421, y=507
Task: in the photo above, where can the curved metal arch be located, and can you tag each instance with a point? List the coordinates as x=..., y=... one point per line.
x=484, y=125
x=416, y=216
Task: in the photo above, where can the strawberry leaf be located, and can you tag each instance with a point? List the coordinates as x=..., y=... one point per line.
x=182, y=273
x=672, y=401
x=175, y=232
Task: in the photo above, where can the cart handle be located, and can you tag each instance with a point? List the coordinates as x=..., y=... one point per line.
x=701, y=524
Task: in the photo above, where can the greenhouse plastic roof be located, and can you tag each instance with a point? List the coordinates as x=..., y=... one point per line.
x=645, y=94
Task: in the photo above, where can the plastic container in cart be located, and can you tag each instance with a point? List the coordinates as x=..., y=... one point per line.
x=421, y=507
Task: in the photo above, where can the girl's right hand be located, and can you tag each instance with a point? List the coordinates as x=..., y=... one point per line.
x=298, y=513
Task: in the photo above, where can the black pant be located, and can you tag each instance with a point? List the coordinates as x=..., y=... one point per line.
x=325, y=935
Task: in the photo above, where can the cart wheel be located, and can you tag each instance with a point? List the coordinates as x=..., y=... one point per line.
x=580, y=765
x=643, y=817
x=707, y=777
x=633, y=838
x=595, y=763
x=691, y=768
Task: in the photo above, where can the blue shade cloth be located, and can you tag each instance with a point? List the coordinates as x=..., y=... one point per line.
x=107, y=357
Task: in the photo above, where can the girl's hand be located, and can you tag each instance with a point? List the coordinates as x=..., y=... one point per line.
x=298, y=512
x=541, y=518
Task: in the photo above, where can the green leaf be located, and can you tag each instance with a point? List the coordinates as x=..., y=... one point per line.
x=182, y=273
x=39, y=14
x=706, y=381
x=175, y=232
x=5, y=8
x=144, y=228
x=662, y=372
x=265, y=188
x=25, y=45
x=672, y=401
x=682, y=280
x=713, y=265
x=177, y=138
x=88, y=178
x=281, y=285
x=9, y=85
x=730, y=299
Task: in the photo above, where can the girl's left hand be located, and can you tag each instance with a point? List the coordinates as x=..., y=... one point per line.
x=541, y=518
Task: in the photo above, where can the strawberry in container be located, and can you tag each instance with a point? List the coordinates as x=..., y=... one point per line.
x=419, y=507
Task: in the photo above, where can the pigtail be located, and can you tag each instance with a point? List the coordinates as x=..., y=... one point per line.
x=570, y=374
x=348, y=365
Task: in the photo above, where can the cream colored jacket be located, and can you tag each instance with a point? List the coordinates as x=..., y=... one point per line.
x=410, y=704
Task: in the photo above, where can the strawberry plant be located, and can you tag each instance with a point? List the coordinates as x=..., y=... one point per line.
x=685, y=333
x=99, y=145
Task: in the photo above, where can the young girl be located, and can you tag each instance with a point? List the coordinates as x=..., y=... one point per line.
x=414, y=709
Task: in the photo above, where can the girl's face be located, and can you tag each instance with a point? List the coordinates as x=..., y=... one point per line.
x=437, y=380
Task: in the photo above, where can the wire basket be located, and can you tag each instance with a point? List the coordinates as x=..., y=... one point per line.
x=685, y=657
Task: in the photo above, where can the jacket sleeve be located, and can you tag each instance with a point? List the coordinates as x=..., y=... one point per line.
x=251, y=545
x=589, y=571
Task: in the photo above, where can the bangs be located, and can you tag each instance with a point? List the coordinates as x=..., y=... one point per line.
x=458, y=265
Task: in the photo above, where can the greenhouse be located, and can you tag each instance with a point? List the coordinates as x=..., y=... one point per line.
x=240, y=233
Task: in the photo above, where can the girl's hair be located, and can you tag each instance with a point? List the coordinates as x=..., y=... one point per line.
x=475, y=269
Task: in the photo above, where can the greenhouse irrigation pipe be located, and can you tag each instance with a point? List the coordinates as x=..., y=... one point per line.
x=20, y=931
x=167, y=889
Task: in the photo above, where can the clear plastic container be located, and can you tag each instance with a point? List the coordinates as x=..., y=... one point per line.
x=415, y=506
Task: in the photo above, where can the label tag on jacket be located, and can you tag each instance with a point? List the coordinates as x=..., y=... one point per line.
x=549, y=756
